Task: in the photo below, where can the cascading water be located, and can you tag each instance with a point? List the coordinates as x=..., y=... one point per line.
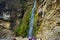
x=31, y=22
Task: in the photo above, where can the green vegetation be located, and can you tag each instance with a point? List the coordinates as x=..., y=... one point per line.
x=22, y=29
x=36, y=27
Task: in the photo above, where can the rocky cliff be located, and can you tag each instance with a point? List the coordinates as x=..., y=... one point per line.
x=46, y=18
x=49, y=28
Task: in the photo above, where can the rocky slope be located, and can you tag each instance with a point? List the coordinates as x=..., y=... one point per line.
x=46, y=19
x=20, y=11
x=50, y=26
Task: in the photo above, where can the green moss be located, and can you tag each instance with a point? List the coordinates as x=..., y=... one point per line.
x=22, y=29
x=35, y=24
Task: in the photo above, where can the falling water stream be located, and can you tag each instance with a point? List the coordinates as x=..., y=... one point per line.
x=31, y=22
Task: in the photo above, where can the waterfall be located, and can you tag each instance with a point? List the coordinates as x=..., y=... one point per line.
x=31, y=22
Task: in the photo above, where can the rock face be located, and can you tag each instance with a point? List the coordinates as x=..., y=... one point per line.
x=46, y=19
x=5, y=24
x=13, y=14
x=50, y=27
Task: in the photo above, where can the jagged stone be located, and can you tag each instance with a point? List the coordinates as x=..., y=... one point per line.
x=51, y=24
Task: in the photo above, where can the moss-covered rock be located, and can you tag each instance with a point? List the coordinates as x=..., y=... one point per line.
x=22, y=30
